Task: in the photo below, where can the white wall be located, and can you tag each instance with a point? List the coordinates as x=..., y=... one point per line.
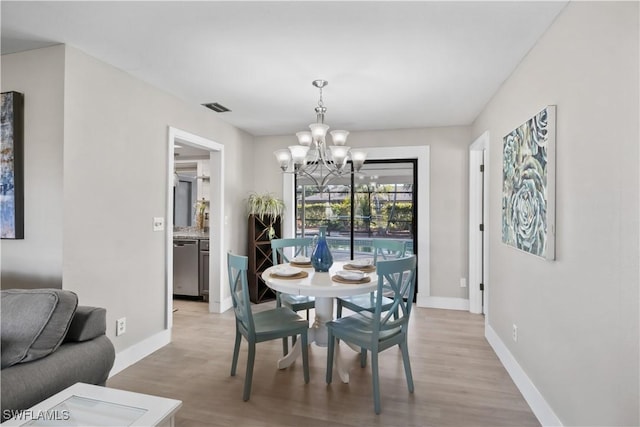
x=448, y=193
x=115, y=155
x=91, y=195
x=36, y=261
x=577, y=316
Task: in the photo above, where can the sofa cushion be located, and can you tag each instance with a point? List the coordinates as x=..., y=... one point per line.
x=34, y=322
x=87, y=324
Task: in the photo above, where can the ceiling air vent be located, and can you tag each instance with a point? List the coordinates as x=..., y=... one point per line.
x=218, y=108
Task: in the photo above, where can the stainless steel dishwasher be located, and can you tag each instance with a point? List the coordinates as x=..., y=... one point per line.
x=185, y=267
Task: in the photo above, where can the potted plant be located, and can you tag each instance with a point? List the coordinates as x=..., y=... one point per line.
x=266, y=205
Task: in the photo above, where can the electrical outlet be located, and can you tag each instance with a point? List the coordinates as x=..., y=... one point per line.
x=515, y=332
x=463, y=282
x=158, y=223
x=121, y=326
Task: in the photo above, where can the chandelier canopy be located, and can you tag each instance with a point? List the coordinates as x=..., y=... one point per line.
x=313, y=158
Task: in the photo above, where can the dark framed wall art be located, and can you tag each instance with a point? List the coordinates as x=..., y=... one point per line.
x=529, y=185
x=11, y=166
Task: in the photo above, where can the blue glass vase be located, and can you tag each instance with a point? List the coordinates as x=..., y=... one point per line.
x=322, y=259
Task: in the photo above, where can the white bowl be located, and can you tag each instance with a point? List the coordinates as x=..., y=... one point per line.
x=350, y=275
x=301, y=260
x=286, y=271
x=360, y=262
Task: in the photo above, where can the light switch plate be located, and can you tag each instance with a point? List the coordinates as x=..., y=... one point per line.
x=158, y=223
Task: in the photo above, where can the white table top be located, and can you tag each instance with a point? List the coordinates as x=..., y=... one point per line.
x=320, y=284
x=85, y=404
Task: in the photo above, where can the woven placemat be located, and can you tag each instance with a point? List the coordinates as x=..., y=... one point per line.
x=367, y=269
x=301, y=264
x=300, y=275
x=365, y=279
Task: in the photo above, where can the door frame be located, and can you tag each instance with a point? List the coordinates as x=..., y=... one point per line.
x=419, y=152
x=479, y=214
x=216, y=218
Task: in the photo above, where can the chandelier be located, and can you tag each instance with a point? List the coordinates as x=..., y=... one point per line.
x=313, y=158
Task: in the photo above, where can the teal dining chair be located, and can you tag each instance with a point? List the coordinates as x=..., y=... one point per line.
x=380, y=330
x=280, y=322
x=383, y=249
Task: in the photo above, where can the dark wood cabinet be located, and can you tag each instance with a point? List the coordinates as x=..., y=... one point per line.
x=260, y=257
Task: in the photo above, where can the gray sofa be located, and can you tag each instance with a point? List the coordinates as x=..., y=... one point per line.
x=49, y=343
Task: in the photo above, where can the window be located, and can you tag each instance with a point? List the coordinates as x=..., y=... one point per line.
x=380, y=202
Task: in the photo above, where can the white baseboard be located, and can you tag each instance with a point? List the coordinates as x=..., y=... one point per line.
x=534, y=398
x=139, y=351
x=443, y=302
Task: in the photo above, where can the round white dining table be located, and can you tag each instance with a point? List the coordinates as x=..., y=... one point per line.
x=325, y=290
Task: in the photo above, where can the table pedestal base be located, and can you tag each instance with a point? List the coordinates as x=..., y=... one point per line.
x=318, y=334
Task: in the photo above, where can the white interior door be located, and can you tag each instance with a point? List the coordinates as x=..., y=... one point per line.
x=478, y=224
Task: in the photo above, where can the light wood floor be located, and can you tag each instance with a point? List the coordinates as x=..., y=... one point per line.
x=458, y=378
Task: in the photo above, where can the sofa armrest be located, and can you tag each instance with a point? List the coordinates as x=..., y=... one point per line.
x=87, y=323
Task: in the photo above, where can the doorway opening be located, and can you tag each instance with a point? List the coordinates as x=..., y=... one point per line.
x=215, y=204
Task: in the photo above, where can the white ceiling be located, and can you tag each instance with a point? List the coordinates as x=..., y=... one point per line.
x=390, y=65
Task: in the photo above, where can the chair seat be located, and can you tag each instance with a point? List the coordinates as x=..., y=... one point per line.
x=297, y=302
x=365, y=302
x=278, y=322
x=358, y=329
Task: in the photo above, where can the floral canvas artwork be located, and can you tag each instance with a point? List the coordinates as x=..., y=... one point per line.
x=528, y=191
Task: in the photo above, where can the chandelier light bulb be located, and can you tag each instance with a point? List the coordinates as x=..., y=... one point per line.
x=299, y=154
x=339, y=154
x=357, y=158
x=284, y=157
x=318, y=131
x=304, y=138
x=339, y=137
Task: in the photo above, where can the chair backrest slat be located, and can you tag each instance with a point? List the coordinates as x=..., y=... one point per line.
x=387, y=249
x=396, y=280
x=301, y=246
x=237, y=266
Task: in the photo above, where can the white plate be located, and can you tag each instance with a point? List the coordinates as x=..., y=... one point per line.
x=360, y=262
x=286, y=271
x=350, y=275
x=301, y=260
